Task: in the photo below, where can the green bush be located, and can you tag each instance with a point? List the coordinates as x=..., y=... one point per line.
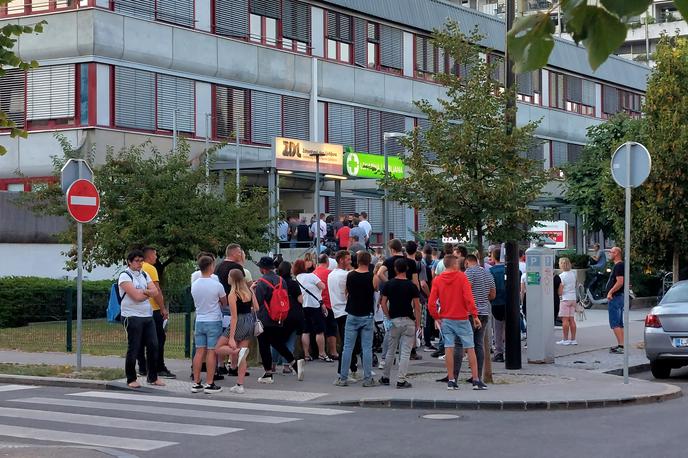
x=31, y=299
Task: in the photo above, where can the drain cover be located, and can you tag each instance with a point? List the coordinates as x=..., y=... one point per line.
x=440, y=416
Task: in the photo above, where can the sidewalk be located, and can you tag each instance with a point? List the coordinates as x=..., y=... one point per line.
x=577, y=379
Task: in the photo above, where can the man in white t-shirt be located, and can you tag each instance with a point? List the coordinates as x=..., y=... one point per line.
x=207, y=294
x=365, y=225
x=135, y=289
x=336, y=284
x=323, y=227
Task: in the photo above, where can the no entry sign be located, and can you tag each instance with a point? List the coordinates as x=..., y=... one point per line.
x=83, y=201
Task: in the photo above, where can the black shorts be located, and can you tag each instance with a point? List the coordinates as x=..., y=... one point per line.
x=330, y=325
x=314, y=320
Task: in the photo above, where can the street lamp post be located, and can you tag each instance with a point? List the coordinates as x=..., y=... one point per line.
x=237, y=119
x=385, y=231
x=207, y=159
x=317, y=155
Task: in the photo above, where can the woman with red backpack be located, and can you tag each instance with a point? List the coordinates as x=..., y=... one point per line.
x=273, y=302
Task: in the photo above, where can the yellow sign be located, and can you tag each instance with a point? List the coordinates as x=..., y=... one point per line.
x=300, y=156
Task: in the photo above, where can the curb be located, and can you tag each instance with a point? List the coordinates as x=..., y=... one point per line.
x=631, y=369
x=63, y=382
x=670, y=392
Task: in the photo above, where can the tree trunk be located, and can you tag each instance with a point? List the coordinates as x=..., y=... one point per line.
x=675, y=265
x=487, y=337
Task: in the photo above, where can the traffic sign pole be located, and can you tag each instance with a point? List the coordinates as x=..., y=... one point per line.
x=627, y=262
x=79, y=279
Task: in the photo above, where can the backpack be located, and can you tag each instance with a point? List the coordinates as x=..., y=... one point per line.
x=278, y=308
x=114, y=308
x=499, y=302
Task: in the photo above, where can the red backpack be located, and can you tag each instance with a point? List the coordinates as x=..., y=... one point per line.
x=278, y=308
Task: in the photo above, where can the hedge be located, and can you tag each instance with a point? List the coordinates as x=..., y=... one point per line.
x=26, y=300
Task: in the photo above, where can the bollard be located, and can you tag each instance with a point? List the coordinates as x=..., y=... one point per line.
x=540, y=294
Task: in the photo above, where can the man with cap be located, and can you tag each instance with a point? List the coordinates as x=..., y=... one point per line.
x=274, y=334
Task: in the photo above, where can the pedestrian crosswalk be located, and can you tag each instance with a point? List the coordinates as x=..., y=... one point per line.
x=124, y=420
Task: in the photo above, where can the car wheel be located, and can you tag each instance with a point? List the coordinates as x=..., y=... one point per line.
x=660, y=369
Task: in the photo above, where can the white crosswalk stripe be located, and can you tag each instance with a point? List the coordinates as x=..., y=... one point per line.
x=213, y=403
x=167, y=416
x=4, y=388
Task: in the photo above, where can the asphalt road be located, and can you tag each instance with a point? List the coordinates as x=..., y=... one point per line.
x=182, y=426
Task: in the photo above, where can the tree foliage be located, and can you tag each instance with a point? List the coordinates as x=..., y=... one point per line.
x=589, y=184
x=474, y=178
x=601, y=28
x=153, y=198
x=8, y=60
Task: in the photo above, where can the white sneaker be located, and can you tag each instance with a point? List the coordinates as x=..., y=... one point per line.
x=381, y=365
x=442, y=358
x=267, y=378
x=573, y=342
x=237, y=389
x=563, y=342
x=300, y=364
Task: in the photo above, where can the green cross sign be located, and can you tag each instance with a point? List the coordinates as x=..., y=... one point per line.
x=365, y=165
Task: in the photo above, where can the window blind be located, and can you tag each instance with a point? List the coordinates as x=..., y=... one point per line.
x=134, y=98
x=50, y=92
x=13, y=96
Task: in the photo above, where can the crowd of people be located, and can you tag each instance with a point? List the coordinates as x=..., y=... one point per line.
x=335, y=305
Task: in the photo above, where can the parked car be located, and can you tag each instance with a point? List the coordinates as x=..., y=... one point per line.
x=666, y=332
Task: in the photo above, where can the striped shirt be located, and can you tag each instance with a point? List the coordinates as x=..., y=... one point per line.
x=481, y=283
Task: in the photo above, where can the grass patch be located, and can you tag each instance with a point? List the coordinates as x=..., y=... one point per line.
x=98, y=337
x=66, y=371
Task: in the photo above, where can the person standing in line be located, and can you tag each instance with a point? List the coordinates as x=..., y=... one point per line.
x=360, y=308
x=342, y=235
x=243, y=306
x=283, y=233
x=274, y=333
x=358, y=231
x=135, y=289
x=323, y=228
x=448, y=248
x=295, y=321
x=209, y=297
x=323, y=272
x=615, y=304
x=309, y=262
x=367, y=228
x=498, y=272
x=428, y=266
x=336, y=283
x=400, y=304
x=234, y=257
x=453, y=291
x=483, y=290
x=412, y=255
x=160, y=315
x=303, y=236
x=314, y=310
x=567, y=306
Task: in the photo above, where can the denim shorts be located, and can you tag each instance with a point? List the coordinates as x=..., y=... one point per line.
x=457, y=329
x=207, y=333
x=616, y=309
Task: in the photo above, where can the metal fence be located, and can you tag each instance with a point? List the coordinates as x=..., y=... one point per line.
x=49, y=323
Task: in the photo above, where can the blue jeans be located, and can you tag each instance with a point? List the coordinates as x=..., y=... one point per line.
x=278, y=359
x=616, y=309
x=356, y=325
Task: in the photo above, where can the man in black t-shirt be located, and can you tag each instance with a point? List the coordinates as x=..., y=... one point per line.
x=360, y=307
x=388, y=270
x=401, y=305
x=615, y=304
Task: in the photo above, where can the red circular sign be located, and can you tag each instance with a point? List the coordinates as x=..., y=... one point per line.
x=83, y=201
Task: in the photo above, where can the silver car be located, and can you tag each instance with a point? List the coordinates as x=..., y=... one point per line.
x=666, y=332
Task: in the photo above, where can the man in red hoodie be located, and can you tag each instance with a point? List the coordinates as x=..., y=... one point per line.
x=456, y=305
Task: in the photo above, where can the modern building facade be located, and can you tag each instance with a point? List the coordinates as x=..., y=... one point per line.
x=119, y=72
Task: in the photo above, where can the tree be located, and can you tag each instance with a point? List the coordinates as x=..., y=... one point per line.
x=664, y=197
x=601, y=28
x=589, y=179
x=8, y=60
x=474, y=179
x=154, y=198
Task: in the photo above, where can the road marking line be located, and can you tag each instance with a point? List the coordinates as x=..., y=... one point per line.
x=127, y=443
x=212, y=403
x=207, y=414
x=83, y=200
x=15, y=387
x=115, y=422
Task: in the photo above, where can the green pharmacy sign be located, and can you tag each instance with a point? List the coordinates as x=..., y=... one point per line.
x=364, y=165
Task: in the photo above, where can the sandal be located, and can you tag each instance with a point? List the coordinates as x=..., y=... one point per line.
x=308, y=358
x=325, y=358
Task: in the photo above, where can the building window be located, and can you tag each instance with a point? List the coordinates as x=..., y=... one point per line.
x=296, y=118
x=175, y=96
x=51, y=96
x=615, y=100
x=564, y=153
x=498, y=69
x=142, y=9
x=339, y=37
x=231, y=18
x=528, y=88
x=180, y=12
x=22, y=7
x=13, y=96
x=264, y=19
x=231, y=113
x=266, y=117
x=296, y=26
x=426, y=58
x=571, y=93
x=362, y=128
